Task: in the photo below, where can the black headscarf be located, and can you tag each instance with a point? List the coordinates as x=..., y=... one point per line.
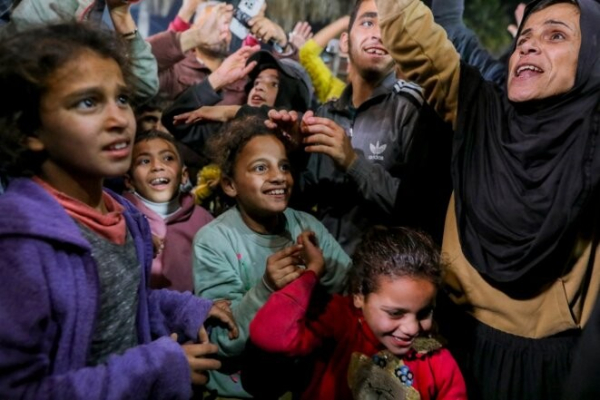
x=525, y=174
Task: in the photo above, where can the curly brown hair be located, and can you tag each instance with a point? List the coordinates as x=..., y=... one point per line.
x=225, y=147
x=27, y=62
x=393, y=253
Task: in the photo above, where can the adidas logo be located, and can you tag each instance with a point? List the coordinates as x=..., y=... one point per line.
x=377, y=150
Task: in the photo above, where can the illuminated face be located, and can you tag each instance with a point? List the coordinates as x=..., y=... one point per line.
x=398, y=311
x=370, y=59
x=156, y=170
x=265, y=89
x=544, y=62
x=262, y=182
x=87, y=125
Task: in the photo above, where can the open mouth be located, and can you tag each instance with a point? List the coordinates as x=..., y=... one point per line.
x=159, y=182
x=117, y=146
x=256, y=99
x=527, y=69
x=377, y=51
x=402, y=342
x=276, y=192
x=118, y=150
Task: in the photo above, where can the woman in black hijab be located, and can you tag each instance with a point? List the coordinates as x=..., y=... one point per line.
x=522, y=226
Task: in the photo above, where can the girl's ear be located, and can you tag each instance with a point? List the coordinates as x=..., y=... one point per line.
x=185, y=176
x=344, y=43
x=127, y=182
x=34, y=144
x=228, y=186
x=359, y=300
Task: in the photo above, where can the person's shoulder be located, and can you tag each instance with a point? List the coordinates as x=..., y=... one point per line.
x=302, y=218
x=30, y=211
x=223, y=225
x=408, y=90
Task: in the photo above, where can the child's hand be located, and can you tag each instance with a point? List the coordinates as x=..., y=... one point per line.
x=289, y=122
x=196, y=356
x=311, y=253
x=221, y=311
x=283, y=267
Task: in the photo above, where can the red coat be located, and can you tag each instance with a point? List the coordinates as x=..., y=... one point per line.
x=281, y=326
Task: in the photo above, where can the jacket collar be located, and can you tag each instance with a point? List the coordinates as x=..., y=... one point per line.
x=344, y=103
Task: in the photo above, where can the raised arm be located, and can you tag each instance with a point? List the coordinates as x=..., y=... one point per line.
x=422, y=51
x=326, y=84
x=449, y=14
x=142, y=61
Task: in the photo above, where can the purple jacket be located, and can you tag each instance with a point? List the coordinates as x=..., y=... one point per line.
x=49, y=303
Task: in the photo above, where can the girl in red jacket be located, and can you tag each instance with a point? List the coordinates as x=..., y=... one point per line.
x=372, y=344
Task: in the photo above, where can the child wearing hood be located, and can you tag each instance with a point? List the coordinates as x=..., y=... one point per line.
x=273, y=83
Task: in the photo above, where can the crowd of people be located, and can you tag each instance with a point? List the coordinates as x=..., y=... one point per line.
x=191, y=215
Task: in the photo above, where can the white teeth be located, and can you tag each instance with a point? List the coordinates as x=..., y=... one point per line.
x=376, y=51
x=118, y=146
x=276, y=191
x=159, y=181
x=528, y=67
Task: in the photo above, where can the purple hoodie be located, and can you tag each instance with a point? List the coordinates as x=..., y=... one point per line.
x=49, y=303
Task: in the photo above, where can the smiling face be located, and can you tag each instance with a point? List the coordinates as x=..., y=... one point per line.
x=87, y=125
x=265, y=89
x=398, y=311
x=156, y=170
x=544, y=62
x=261, y=183
x=369, y=58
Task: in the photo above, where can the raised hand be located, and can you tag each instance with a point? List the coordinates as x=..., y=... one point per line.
x=207, y=113
x=519, y=11
x=213, y=33
x=310, y=253
x=187, y=9
x=264, y=29
x=233, y=68
x=283, y=267
x=323, y=135
x=289, y=122
x=300, y=34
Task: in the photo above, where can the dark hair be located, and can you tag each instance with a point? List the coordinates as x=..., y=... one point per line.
x=536, y=6
x=156, y=103
x=354, y=14
x=226, y=146
x=27, y=61
x=156, y=134
x=393, y=253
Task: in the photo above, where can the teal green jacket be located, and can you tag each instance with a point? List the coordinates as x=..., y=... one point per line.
x=229, y=262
